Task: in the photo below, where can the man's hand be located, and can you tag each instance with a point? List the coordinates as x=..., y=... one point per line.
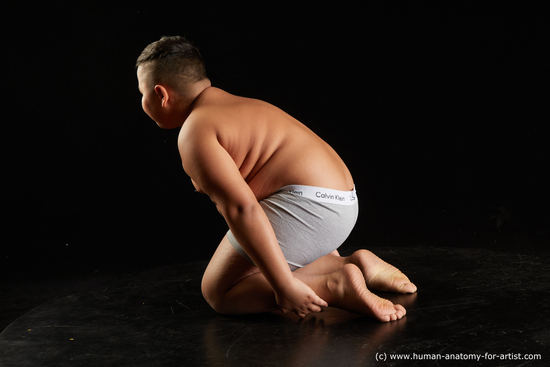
x=299, y=298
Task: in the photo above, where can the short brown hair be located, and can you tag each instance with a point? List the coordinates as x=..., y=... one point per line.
x=173, y=61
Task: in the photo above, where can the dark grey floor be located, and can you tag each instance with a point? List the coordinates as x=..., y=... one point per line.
x=471, y=303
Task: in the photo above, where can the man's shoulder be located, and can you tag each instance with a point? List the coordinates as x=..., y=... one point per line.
x=199, y=122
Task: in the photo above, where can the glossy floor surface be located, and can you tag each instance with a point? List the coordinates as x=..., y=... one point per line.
x=479, y=307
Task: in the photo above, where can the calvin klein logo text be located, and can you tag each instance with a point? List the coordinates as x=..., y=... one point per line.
x=322, y=195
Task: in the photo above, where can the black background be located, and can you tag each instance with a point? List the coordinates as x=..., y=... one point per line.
x=438, y=109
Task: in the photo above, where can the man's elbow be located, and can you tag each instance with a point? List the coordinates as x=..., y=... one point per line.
x=240, y=210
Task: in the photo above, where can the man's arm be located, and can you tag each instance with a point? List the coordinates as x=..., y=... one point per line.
x=213, y=170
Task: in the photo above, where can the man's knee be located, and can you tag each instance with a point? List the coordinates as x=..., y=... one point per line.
x=209, y=293
x=213, y=295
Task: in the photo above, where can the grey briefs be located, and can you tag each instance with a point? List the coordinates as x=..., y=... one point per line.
x=309, y=222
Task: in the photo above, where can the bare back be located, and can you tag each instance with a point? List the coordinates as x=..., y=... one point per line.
x=270, y=148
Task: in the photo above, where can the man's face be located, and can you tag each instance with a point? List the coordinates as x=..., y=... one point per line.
x=150, y=102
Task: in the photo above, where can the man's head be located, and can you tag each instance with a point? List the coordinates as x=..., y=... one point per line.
x=173, y=61
x=171, y=74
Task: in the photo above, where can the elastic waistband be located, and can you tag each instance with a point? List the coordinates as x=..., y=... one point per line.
x=323, y=195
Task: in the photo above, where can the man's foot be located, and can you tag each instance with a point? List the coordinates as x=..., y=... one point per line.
x=379, y=275
x=347, y=291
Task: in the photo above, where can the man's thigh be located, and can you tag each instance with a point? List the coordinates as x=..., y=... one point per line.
x=226, y=268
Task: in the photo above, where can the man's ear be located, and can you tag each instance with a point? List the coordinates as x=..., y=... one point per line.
x=163, y=94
